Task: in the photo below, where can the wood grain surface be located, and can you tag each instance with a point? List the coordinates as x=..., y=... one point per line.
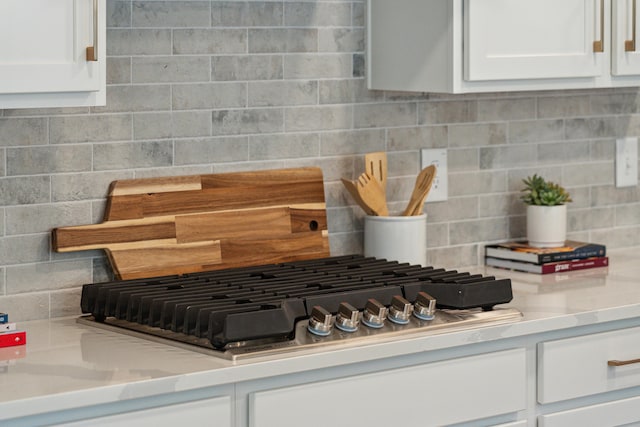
x=176, y=225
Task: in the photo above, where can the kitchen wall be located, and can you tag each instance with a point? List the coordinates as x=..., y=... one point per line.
x=215, y=86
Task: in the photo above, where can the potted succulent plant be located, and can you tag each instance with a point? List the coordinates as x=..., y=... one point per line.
x=546, y=212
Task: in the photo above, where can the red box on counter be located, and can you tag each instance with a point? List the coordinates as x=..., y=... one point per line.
x=10, y=339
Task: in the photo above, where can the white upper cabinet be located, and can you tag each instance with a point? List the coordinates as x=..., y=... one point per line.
x=625, y=49
x=52, y=53
x=524, y=39
x=460, y=46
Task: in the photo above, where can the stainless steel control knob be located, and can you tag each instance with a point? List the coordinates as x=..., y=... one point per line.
x=320, y=322
x=374, y=314
x=424, y=307
x=348, y=318
x=400, y=310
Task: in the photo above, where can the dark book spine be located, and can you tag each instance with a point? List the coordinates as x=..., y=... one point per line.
x=559, y=267
x=580, y=253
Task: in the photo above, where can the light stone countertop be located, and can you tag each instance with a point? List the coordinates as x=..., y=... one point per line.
x=67, y=365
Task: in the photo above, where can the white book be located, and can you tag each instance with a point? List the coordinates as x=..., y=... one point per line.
x=6, y=327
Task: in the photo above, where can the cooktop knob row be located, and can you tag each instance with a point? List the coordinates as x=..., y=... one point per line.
x=374, y=315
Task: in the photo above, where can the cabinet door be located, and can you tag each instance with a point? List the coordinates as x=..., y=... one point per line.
x=207, y=412
x=524, y=39
x=624, y=43
x=440, y=393
x=43, y=46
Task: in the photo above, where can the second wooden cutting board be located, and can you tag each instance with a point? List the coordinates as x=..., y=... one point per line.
x=175, y=225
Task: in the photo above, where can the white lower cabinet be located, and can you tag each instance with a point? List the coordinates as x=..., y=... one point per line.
x=560, y=378
x=625, y=412
x=439, y=393
x=206, y=412
x=581, y=366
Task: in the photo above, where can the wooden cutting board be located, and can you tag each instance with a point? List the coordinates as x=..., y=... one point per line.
x=175, y=225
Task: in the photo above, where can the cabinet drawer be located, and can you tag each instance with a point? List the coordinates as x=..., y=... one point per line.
x=616, y=413
x=575, y=367
x=438, y=393
x=215, y=411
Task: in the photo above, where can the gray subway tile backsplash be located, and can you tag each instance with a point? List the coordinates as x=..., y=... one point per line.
x=175, y=69
x=282, y=93
x=23, y=131
x=211, y=86
x=212, y=41
x=132, y=155
x=127, y=98
x=321, y=65
x=138, y=41
x=171, y=14
x=246, y=14
x=25, y=190
x=48, y=159
x=246, y=67
x=89, y=128
x=211, y=150
x=282, y=40
x=194, y=96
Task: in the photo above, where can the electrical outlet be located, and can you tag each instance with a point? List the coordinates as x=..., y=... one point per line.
x=440, y=187
x=626, y=162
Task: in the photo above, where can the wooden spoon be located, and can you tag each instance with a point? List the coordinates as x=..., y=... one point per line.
x=376, y=166
x=420, y=191
x=352, y=188
x=371, y=193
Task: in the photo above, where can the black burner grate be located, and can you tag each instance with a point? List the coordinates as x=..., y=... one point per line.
x=243, y=304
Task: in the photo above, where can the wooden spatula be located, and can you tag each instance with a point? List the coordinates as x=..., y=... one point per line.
x=371, y=193
x=376, y=167
x=352, y=188
x=420, y=191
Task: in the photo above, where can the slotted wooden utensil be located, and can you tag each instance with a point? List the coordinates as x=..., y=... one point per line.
x=376, y=167
x=371, y=193
x=423, y=184
x=352, y=188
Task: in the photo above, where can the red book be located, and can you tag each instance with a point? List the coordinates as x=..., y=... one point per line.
x=10, y=339
x=551, y=267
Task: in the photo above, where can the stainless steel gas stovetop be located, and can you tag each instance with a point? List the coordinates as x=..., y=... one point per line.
x=313, y=305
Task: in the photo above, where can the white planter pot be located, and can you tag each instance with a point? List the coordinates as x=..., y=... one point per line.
x=546, y=226
x=397, y=238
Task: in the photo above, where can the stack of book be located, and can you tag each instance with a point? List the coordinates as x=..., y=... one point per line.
x=9, y=335
x=572, y=256
x=12, y=343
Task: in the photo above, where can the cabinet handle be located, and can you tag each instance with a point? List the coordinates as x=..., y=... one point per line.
x=622, y=362
x=92, y=51
x=630, y=45
x=598, y=45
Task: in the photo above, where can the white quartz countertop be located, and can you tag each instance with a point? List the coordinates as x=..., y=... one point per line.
x=66, y=365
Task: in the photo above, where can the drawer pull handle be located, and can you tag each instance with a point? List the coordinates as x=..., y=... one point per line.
x=622, y=362
x=598, y=45
x=92, y=51
x=630, y=45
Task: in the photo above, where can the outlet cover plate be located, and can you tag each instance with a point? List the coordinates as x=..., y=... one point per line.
x=627, y=162
x=440, y=188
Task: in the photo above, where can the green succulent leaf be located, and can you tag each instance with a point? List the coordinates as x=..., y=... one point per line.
x=537, y=191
